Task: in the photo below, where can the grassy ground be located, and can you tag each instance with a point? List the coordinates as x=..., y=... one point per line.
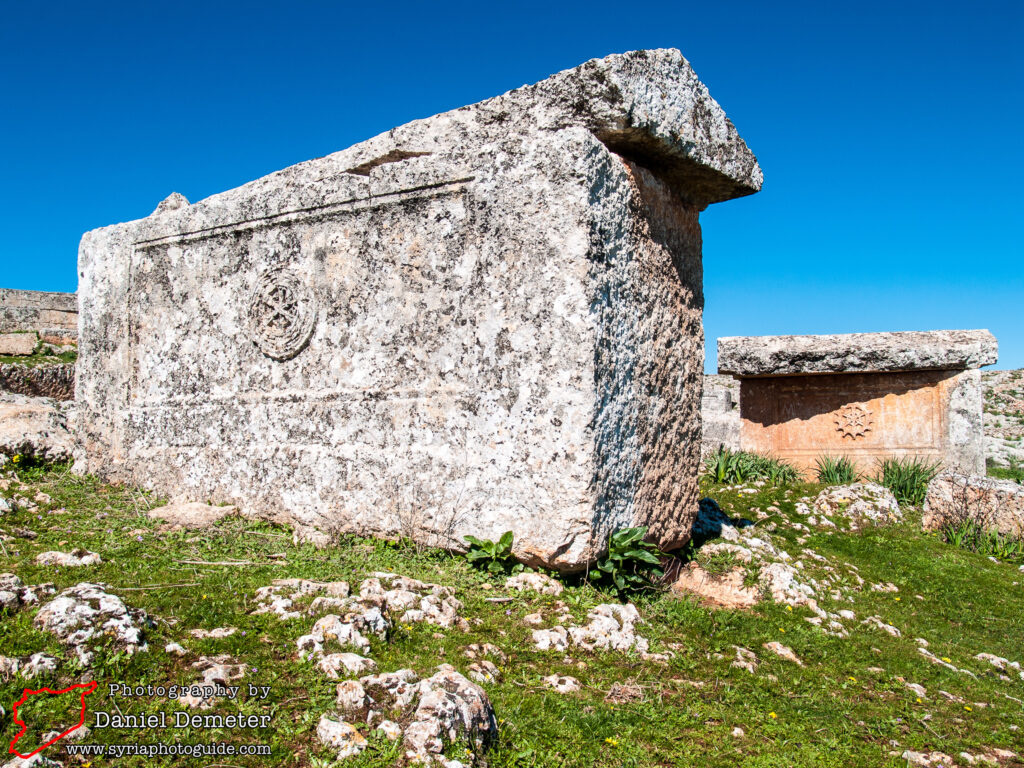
x=40, y=357
x=845, y=707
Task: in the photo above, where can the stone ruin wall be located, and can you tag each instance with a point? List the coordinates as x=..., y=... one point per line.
x=54, y=316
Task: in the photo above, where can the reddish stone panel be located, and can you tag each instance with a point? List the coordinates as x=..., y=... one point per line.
x=865, y=416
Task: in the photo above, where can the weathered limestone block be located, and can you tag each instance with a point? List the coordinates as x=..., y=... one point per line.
x=856, y=353
x=34, y=427
x=483, y=321
x=996, y=505
x=720, y=414
x=38, y=311
x=18, y=344
x=862, y=395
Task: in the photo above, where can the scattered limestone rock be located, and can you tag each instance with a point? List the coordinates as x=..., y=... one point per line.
x=86, y=612
x=533, y=619
x=784, y=651
x=72, y=559
x=860, y=503
x=392, y=731
x=213, y=634
x=355, y=617
x=610, y=626
x=623, y=693
x=562, y=683
x=214, y=671
x=339, y=735
x=554, y=639
x=351, y=629
x=484, y=672
x=34, y=427
x=482, y=650
x=1005, y=666
x=38, y=664
x=745, y=659
x=350, y=696
x=175, y=649
x=538, y=582
x=726, y=590
x=876, y=621
x=443, y=708
x=15, y=595
x=280, y=597
x=332, y=664
x=189, y=515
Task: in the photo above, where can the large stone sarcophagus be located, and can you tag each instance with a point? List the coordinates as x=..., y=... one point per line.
x=483, y=321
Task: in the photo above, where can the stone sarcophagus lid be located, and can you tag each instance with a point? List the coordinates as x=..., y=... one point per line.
x=483, y=321
x=863, y=395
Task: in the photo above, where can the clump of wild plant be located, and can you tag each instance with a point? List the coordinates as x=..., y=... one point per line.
x=907, y=478
x=733, y=467
x=974, y=536
x=836, y=471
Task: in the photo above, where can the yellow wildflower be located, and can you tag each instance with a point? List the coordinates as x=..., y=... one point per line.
x=772, y=715
x=611, y=741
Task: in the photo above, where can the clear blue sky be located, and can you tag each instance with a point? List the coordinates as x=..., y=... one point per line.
x=890, y=133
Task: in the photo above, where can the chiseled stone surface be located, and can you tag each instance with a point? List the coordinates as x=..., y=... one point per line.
x=856, y=353
x=487, y=320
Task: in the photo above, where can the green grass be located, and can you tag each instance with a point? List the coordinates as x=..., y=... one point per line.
x=1013, y=472
x=834, y=711
x=40, y=357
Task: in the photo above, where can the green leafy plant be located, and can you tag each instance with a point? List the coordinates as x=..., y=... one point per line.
x=726, y=466
x=976, y=537
x=631, y=564
x=493, y=556
x=907, y=478
x=836, y=471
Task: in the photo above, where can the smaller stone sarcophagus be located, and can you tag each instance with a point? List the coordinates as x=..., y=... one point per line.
x=862, y=395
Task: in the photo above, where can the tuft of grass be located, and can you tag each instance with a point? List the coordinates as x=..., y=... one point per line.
x=732, y=467
x=976, y=537
x=907, y=478
x=836, y=471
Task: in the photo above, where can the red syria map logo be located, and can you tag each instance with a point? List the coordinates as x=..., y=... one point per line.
x=86, y=689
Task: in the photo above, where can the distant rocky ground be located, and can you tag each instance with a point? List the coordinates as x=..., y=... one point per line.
x=1004, y=416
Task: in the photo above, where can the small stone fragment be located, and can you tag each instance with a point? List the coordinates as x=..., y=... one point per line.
x=538, y=582
x=73, y=559
x=340, y=735
x=562, y=683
